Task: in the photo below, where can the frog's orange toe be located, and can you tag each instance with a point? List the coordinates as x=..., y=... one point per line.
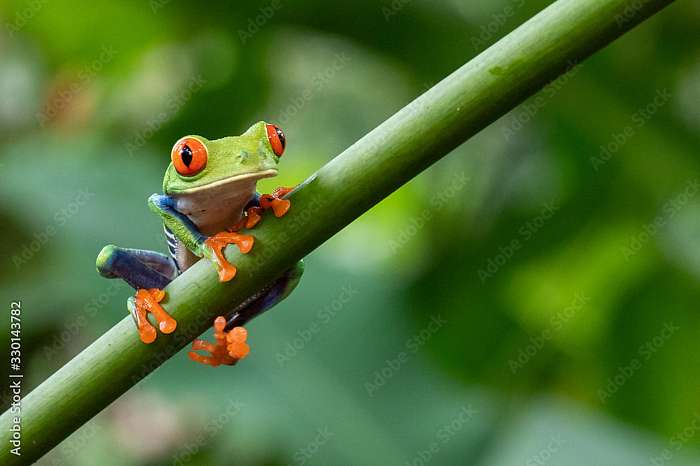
x=253, y=217
x=167, y=326
x=280, y=207
x=237, y=335
x=226, y=272
x=237, y=347
x=238, y=351
x=147, y=334
x=245, y=243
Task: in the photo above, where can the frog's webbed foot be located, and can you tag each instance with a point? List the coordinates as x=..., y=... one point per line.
x=275, y=202
x=228, y=349
x=215, y=244
x=147, y=301
x=272, y=202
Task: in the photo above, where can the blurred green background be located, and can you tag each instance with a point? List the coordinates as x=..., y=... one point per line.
x=531, y=299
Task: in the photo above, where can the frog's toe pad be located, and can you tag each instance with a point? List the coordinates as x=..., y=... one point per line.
x=236, y=345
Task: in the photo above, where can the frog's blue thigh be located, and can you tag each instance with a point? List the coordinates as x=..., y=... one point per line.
x=137, y=267
x=268, y=297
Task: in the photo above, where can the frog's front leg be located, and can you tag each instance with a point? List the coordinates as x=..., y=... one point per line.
x=148, y=272
x=200, y=245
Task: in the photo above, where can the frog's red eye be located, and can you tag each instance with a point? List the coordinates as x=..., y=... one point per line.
x=189, y=156
x=277, y=139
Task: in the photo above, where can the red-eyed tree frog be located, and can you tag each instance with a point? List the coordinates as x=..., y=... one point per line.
x=209, y=197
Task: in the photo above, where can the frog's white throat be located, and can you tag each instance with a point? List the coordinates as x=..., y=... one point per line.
x=219, y=205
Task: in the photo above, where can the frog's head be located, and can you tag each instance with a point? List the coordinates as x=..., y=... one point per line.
x=201, y=165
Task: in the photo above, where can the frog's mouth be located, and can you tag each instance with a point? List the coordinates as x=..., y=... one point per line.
x=231, y=182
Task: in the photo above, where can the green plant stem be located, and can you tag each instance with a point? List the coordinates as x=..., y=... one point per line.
x=399, y=149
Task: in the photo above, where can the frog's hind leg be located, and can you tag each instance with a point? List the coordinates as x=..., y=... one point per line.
x=148, y=272
x=267, y=298
x=230, y=337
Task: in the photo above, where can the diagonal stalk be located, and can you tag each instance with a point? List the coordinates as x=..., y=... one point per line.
x=399, y=149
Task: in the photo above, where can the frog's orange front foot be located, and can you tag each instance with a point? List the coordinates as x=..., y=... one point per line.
x=218, y=242
x=228, y=349
x=275, y=202
x=272, y=201
x=147, y=301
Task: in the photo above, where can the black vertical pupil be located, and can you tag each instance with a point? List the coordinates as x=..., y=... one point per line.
x=186, y=155
x=280, y=135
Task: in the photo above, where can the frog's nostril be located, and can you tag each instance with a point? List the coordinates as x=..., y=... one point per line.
x=243, y=156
